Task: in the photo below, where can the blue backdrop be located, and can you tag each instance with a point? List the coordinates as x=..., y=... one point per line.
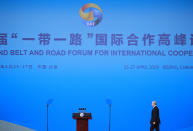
x=87, y=81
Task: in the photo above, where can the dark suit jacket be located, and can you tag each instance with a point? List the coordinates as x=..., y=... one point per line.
x=155, y=115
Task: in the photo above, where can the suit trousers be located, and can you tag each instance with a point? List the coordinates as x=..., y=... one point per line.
x=156, y=127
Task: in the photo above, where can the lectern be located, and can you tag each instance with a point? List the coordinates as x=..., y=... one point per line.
x=82, y=120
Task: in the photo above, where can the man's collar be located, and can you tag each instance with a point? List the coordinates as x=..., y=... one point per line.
x=154, y=106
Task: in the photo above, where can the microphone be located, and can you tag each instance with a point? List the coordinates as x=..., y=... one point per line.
x=109, y=102
x=49, y=102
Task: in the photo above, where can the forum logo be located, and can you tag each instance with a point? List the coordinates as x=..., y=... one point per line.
x=91, y=14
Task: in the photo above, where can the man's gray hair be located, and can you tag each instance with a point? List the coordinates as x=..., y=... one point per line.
x=155, y=102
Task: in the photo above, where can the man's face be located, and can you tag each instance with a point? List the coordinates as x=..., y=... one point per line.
x=153, y=104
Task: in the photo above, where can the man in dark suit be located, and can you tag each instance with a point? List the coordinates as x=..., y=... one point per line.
x=155, y=120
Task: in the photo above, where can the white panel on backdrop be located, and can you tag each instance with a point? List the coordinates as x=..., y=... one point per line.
x=6, y=126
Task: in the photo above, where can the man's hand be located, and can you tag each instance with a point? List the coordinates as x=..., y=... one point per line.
x=154, y=123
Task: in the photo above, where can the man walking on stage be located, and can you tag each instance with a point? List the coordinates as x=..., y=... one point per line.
x=155, y=120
